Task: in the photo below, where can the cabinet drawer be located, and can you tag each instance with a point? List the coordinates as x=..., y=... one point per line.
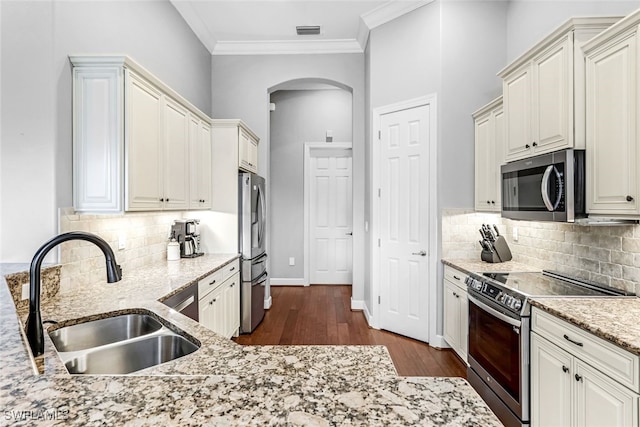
x=608, y=358
x=455, y=276
x=230, y=269
x=210, y=283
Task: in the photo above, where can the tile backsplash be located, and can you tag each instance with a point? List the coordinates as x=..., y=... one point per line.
x=145, y=237
x=604, y=254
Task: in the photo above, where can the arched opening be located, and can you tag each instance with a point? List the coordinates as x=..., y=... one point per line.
x=310, y=119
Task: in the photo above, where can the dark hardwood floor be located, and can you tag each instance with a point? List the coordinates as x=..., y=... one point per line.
x=321, y=315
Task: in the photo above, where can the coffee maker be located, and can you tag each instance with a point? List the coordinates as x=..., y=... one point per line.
x=185, y=231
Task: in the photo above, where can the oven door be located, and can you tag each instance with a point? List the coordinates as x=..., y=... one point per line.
x=498, y=353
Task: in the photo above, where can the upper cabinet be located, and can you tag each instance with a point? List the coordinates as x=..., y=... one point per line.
x=137, y=144
x=489, y=155
x=543, y=91
x=248, y=149
x=613, y=151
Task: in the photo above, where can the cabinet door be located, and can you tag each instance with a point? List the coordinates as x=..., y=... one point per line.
x=484, y=154
x=143, y=143
x=200, y=174
x=233, y=301
x=600, y=401
x=253, y=155
x=211, y=310
x=612, y=135
x=551, y=381
x=517, y=108
x=552, y=93
x=248, y=152
x=464, y=324
x=452, y=315
x=176, y=155
x=495, y=181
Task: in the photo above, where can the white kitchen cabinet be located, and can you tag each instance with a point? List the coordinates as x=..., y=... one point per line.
x=612, y=133
x=456, y=315
x=201, y=163
x=578, y=379
x=131, y=138
x=489, y=155
x=219, y=300
x=248, y=149
x=543, y=91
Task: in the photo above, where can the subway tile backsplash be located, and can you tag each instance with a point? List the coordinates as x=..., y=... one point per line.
x=145, y=237
x=604, y=254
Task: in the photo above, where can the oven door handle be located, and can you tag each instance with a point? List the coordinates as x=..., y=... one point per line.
x=495, y=312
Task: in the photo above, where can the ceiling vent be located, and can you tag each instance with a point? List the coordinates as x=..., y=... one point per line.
x=306, y=30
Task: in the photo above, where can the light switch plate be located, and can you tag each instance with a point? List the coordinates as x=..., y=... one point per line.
x=25, y=291
x=122, y=242
x=292, y=261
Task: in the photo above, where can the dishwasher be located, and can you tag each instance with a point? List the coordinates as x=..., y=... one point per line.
x=185, y=302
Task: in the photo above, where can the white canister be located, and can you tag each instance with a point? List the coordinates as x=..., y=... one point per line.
x=173, y=250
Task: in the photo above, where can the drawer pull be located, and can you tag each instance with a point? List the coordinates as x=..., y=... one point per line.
x=212, y=282
x=578, y=377
x=565, y=369
x=572, y=341
x=456, y=277
x=232, y=268
x=232, y=285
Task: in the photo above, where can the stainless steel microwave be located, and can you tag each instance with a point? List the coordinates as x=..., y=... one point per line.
x=549, y=187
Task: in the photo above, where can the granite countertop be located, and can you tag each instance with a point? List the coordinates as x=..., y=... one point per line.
x=614, y=319
x=223, y=382
x=477, y=266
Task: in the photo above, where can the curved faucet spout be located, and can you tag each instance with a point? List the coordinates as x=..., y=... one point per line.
x=35, y=333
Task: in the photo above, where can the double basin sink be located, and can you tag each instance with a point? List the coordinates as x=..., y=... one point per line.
x=120, y=344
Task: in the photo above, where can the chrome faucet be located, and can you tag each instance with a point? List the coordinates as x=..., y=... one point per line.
x=35, y=333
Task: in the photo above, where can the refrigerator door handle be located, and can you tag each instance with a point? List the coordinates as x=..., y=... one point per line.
x=262, y=278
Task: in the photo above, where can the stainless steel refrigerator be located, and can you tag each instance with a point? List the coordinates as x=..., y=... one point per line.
x=252, y=241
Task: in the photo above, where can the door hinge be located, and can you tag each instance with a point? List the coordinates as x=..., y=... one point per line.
x=379, y=135
x=378, y=242
x=379, y=192
x=378, y=299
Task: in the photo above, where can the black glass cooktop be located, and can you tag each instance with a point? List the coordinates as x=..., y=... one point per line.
x=551, y=283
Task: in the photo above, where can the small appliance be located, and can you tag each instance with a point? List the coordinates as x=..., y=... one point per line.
x=549, y=187
x=185, y=231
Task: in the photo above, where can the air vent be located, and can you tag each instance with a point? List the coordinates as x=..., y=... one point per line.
x=305, y=30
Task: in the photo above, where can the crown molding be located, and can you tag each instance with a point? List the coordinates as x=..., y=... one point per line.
x=195, y=22
x=390, y=11
x=287, y=47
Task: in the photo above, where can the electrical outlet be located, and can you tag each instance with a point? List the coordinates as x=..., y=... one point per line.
x=25, y=291
x=515, y=234
x=292, y=261
x=122, y=242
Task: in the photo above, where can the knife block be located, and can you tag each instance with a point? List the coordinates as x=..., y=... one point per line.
x=501, y=248
x=488, y=256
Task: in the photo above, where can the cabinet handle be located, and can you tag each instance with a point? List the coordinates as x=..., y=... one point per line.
x=578, y=377
x=456, y=277
x=572, y=341
x=527, y=146
x=212, y=282
x=565, y=369
x=232, y=268
x=167, y=199
x=493, y=202
x=629, y=199
x=488, y=202
x=535, y=144
x=232, y=285
x=162, y=200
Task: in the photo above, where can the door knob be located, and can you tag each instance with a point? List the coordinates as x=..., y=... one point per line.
x=349, y=234
x=421, y=253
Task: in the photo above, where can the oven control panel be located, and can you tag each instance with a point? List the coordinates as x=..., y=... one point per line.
x=495, y=293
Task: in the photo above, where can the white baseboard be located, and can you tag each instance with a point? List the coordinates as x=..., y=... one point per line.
x=439, y=342
x=357, y=304
x=275, y=281
x=367, y=315
x=267, y=303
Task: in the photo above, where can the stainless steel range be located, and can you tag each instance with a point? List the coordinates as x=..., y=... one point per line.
x=499, y=316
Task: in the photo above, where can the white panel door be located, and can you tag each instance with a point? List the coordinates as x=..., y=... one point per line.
x=404, y=220
x=330, y=217
x=176, y=158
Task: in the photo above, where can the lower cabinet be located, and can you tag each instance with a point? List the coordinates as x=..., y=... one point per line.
x=219, y=309
x=456, y=314
x=568, y=391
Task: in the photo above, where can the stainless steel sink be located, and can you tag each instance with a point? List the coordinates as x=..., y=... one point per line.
x=120, y=344
x=104, y=331
x=131, y=356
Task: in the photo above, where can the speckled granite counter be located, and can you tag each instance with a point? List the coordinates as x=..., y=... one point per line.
x=477, y=266
x=614, y=319
x=222, y=383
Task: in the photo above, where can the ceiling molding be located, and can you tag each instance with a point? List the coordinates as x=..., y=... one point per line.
x=287, y=47
x=390, y=11
x=194, y=20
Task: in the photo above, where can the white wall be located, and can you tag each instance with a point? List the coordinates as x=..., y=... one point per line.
x=300, y=116
x=241, y=86
x=35, y=143
x=531, y=20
